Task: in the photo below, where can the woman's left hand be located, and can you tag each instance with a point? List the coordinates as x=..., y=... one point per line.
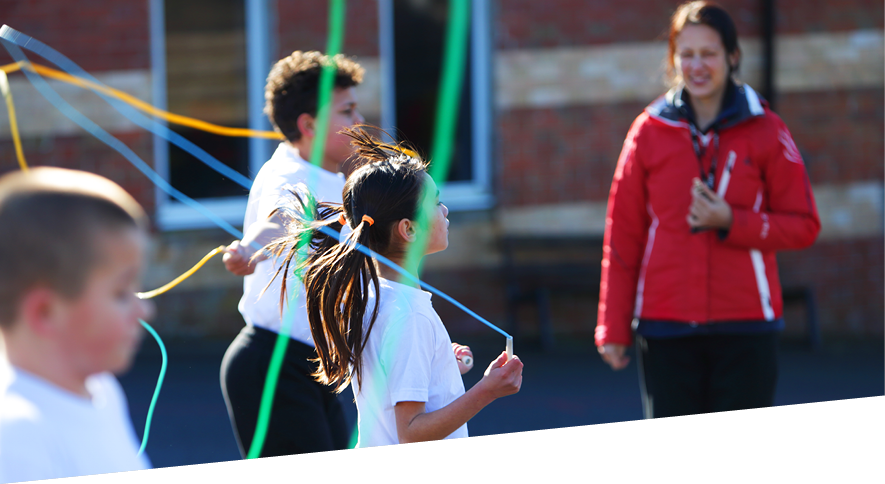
x=464, y=357
x=707, y=209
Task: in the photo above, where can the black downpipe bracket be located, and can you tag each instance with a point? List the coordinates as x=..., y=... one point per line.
x=767, y=24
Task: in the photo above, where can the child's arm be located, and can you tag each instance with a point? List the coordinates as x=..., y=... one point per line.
x=238, y=255
x=501, y=378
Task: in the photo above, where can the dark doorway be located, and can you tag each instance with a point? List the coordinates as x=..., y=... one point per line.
x=206, y=80
x=419, y=38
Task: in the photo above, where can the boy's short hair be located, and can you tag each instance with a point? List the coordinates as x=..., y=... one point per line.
x=50, y=218
x=293, y=87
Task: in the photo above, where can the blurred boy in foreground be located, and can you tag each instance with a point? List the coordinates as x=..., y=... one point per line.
x=70, y=260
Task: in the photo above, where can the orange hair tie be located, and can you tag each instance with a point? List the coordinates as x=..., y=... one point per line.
x=341, y=219
x=366, y=218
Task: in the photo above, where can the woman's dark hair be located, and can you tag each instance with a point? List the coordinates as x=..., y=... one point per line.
x=336, y=276
x=702, y=12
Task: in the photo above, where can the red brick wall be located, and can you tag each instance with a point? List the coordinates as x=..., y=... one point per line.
x=847, y=278
x=557, y=155
x=569, y=154
x=104, y=35
x=839, y=133
x=564, y=154
x=89, y=154
x=810, y=16
x=98, y=35
x=529, y=24
x=303, y=25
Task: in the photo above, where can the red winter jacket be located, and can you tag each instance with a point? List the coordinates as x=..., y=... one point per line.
x=654, y=267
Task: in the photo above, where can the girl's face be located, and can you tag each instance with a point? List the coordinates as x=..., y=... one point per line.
x=438, y=238
x=701, y=61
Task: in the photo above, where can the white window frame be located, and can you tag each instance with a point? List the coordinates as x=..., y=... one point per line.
x=475, y=194
x=260, y=44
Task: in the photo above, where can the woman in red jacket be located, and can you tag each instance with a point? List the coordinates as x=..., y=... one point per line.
x=708, y=186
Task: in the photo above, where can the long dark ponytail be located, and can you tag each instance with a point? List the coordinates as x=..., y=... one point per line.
x=380, y=193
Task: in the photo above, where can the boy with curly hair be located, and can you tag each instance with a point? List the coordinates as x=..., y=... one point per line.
x=306, y=416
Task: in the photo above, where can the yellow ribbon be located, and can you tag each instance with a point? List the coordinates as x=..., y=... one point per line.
x=139, y=104
x=179, y=279
x=13, y=125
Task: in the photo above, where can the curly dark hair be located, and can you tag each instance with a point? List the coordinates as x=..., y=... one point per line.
x=293, y=85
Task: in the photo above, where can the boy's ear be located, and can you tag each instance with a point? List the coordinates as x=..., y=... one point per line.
x=40, y=311
x=305, y=123
x=405, y=229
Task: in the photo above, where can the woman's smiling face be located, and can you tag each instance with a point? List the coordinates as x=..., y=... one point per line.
x=702, y=62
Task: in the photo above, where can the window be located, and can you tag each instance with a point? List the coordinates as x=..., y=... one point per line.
x=412, y=36
x=205, y=56
x=210, y=59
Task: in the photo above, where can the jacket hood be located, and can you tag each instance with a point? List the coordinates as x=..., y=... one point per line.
x=740, y=104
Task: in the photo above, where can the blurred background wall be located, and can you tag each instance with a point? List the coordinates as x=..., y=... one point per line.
x=550, y=92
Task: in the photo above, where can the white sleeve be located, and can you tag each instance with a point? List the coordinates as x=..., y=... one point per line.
x=406, y=355
x=272, y=199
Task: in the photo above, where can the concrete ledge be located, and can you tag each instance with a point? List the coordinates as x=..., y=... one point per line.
x=37, y=117
x=623, y=72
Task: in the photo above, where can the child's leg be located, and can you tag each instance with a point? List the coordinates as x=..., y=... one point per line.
x=233, y=383
x=302, y=418
x=337, y=420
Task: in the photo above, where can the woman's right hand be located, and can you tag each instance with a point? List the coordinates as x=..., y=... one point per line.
x=613, y=354
x=502, y=377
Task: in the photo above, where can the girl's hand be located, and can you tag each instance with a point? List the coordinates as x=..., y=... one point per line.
x=707, y=209
x=613, y=354
x=502, y=377
x=464, y=357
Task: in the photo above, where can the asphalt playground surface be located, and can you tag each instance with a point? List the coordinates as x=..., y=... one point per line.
x=567, y=387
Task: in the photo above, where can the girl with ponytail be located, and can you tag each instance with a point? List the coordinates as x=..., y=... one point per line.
x=371, y=330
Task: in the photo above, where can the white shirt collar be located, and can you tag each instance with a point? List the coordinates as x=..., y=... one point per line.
x=291, y=153
x=404, y=288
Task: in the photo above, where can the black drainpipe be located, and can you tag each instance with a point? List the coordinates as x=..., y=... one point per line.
x=768, y=21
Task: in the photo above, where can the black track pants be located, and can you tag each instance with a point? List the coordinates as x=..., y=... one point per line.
x=306, y=416
x=707, y=373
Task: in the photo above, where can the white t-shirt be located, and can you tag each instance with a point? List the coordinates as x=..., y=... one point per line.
x=408, y=358
x=47, y=432
x=270, y=190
